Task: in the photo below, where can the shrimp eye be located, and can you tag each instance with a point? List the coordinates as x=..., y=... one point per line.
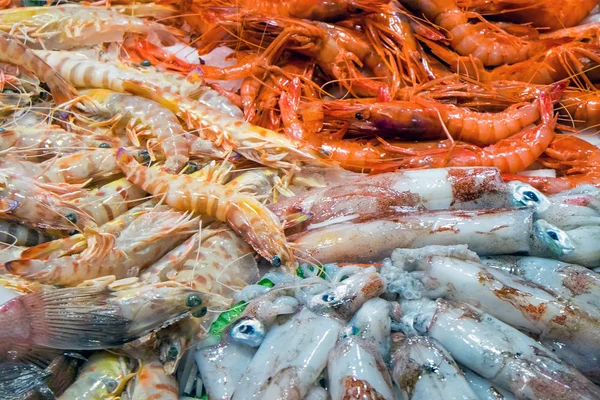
x=553, y=235
x=104, y=146
x=193, y=300
x=358, y=116
x=146, y=63
x=2, y=130
x=71, y=217
x=111, y=385
x=172, y=353
x=144, y=156
x=276, y=261
x=190, y=167
x=246, y=329
x=530, y=195
x=200, y=313
x=328, y=297
x=75, y=232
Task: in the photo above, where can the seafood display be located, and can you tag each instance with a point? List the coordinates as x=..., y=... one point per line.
x=322, y=200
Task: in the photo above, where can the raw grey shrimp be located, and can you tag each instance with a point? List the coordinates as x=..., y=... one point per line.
x=110, y=201
x=495, y=350
x=14, y=52
x=206, y=262
x=77, y=243
x=84, y=72
x=13, y=233
x=143, y=242
x=37, y=143
x=37, y=204
x=73, y=25
x=82, y=166
x=423, y=369
x=140, y=115
x=258, y=144
x=244, y=214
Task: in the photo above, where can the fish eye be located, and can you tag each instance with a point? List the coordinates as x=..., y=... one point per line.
x=359, y=116
x=553, y=235
x=200, y=313
x=193, y=300
x=190, y=167
x=104, y=146
x=276, y=261
x=111, y=385
x=530, y=195
x=328, y=297
x=71, y=217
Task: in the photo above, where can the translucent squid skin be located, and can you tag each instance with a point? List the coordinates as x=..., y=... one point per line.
x=496, y=351
x=423, y=369
x=521, y=304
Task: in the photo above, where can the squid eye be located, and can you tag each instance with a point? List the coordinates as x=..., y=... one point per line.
x=104, y=146
x=111, y=385
x=146, y=63
x=328, y=297
x=530, y=195
x=553, y=235
x=71, y=217
x=276, y=261
x=246, y=329
x=200, y=313
x=359, y=116
x=193, y=300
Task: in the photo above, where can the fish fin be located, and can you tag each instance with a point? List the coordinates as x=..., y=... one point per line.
x=74, y=318
x=63, y=370
x=20, y=380
x=30, y=354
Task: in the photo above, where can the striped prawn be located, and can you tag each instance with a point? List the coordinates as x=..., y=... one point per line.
x=140, y=116
x=246, y=215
